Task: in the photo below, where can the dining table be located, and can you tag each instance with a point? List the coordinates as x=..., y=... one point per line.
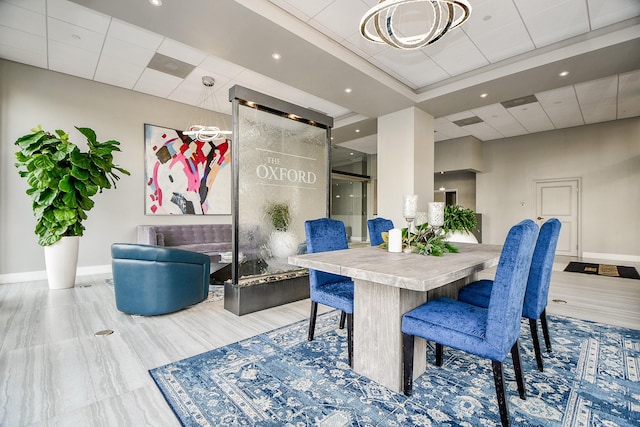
x=389, y=284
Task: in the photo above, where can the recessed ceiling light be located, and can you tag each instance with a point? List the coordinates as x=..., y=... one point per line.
x=276, y=55
x=348, y=90
x=484, y=95
x=357, y=130
x=351, y=154
x=564, y=74
x=156, y=2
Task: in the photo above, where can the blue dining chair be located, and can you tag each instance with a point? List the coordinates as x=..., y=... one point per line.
x=332, y=290
x=486, y=332
x=376, y=226
x=537, y=293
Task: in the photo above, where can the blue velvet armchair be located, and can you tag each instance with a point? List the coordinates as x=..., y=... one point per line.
x=376, y=226
x=329, y=289
x=150, y=280
x=535, y=299
x=491, y=332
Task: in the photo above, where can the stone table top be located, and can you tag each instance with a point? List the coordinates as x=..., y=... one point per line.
x=409, y=271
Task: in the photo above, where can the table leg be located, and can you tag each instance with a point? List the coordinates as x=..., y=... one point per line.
x=377, y=333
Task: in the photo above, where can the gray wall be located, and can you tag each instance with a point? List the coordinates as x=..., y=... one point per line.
x=30, y=96
x=605, y=156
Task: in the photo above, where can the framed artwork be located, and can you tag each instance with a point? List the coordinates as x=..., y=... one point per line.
x=185, y=176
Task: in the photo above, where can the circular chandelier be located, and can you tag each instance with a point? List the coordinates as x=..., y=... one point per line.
x=445, y=15
x=205, y=133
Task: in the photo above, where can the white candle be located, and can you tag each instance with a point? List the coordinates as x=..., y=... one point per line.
x=395, y=240
x=436, y=214
x=410, y=206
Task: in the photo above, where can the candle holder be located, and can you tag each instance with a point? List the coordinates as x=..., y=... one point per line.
x=436, y=216
x=409, y=208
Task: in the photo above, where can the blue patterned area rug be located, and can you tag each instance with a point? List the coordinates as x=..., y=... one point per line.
x=280, y=379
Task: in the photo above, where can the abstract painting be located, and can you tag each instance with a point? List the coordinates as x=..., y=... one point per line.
x=186, y=176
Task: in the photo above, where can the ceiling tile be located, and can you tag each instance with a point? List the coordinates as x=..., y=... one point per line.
x=72, y=60
x=220, y=66
x=75, y=36
x=444, y=127
x=157, y=83
x=177, y=50
x=449, y=52
x=126, y=52
x=22, y=19
x=134, y=35
x=598, y=99
x=23, y=47
x=483, y=131
x=192, y=91
x=363, y=47
x=113, y=71
x=77, y=15
x=629, y=95
x=603, y=13
x=497, y=30
x=413, y=65
x=549, y=21
x=303, y=9
x=38, y=6
x=561, y=106
x=342, y=17
x=532, y=117
x=496, y=116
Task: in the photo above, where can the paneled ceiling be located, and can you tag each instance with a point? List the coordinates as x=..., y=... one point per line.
x=509, y=50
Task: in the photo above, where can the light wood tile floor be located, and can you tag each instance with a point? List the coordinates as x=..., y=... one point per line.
x=54, y=370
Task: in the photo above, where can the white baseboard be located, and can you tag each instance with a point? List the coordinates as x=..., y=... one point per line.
x=29, y=276
x=613, y=257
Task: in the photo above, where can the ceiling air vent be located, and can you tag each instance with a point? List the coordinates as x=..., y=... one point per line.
x=171, y=66
x=468, y=121
x=529, y=99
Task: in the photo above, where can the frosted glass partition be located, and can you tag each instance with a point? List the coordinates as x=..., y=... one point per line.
x=281, y=179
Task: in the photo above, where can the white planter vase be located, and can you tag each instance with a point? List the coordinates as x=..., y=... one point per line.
x=282, y=244
x=460, y=237
x=61, y=260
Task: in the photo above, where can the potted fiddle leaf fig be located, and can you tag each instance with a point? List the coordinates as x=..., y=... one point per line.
x=62, y=180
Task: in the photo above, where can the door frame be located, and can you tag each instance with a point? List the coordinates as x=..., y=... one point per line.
x=578, y=181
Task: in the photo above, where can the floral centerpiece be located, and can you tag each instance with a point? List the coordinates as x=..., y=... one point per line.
x=425, y=241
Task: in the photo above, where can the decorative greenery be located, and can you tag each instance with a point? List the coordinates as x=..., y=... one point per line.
x=62, y=179
x=279, y=215
x=425, y=241
x=457, y=218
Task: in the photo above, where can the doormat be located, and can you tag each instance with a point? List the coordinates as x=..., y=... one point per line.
x=603, y=270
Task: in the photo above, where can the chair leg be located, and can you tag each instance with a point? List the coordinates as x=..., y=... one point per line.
x=350, y=338
x=407, y=364
x=312, y=319
x=545, y=329
x=533, y=325
x=343, y=316
x=498, y=378
x=438, y=354
x=517, y=367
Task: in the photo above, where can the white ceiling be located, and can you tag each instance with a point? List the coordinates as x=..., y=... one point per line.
x=508, y=49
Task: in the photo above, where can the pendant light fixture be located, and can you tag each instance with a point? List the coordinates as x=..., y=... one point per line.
x=381, y=24
x=205, y=132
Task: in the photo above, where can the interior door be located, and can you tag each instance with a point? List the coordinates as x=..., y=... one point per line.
x=560, y=199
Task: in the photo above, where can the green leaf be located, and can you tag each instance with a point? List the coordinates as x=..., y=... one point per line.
x=66, y=184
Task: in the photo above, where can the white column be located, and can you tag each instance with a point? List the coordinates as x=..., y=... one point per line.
x=405, y=161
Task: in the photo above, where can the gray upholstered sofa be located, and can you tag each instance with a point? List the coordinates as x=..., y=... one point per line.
x=209, y=239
